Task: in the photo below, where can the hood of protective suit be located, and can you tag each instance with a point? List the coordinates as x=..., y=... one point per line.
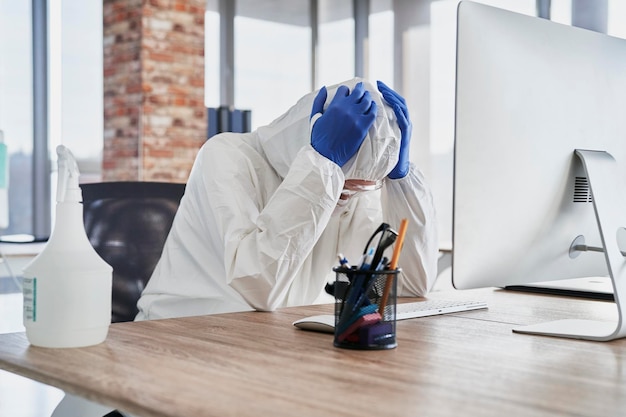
x=284, y=137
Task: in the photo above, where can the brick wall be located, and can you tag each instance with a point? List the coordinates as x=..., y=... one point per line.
x=154, y=114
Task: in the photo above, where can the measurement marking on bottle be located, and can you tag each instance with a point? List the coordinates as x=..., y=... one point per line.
x=29, y=288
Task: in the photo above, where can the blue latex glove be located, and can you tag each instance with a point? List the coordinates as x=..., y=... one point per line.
x=397, y=102
x=340, y=131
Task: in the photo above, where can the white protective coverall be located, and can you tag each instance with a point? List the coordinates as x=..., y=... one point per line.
x=259, y=226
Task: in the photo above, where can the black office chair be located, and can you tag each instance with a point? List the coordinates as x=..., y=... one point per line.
x=127, y=223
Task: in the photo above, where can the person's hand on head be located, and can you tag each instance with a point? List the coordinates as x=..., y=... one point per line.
x=341, y=129
x=397, y=102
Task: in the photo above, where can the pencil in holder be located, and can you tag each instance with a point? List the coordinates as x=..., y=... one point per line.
x=365, y=308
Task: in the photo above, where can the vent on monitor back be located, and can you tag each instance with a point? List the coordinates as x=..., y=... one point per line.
x=582, y=193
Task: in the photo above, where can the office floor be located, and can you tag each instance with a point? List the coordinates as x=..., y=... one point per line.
x=20, y=397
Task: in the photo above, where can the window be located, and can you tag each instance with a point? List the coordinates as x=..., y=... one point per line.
x=74, y=80
x=16, y=109
x=616, y=25
x=272, y=56
x=335, y=41
x=76, y=113
x=381, y=64
x=212, y=55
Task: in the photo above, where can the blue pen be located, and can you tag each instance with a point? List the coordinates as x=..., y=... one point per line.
x=343, y=261
x=367, y=260
x=382, y=264
x=355, y=296
x=369, y=283
x=361, y=261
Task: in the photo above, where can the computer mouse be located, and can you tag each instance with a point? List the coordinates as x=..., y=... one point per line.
x=324, y=323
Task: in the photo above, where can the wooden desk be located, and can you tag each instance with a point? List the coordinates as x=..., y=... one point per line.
x=257, y=364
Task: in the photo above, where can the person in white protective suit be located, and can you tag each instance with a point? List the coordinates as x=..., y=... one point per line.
x=265, y=213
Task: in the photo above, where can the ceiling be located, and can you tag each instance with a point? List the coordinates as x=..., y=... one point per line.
x=296, y=12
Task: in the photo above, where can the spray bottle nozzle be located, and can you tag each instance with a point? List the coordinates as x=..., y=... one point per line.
x=67, y=184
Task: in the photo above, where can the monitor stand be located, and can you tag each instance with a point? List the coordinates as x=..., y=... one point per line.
x=602, y=173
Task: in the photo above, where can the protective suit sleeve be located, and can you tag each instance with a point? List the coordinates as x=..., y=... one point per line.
x=409, y=197
x=266, y=242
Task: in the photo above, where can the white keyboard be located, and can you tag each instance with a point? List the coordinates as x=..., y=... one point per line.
x=434, y=307
x=326, y=322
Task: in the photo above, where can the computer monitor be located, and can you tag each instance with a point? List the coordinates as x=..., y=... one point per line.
x=540, y=157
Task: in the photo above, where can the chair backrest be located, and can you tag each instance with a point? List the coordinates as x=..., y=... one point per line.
x=127, y=223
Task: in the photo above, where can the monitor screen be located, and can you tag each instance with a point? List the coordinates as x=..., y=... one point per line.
x=529, y=93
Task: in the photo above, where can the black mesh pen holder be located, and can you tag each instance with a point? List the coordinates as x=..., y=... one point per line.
x=365, y=308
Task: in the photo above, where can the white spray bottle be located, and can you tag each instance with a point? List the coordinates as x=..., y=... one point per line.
x=67, y=287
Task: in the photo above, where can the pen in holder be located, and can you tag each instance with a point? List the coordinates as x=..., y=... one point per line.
x=365, y=308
